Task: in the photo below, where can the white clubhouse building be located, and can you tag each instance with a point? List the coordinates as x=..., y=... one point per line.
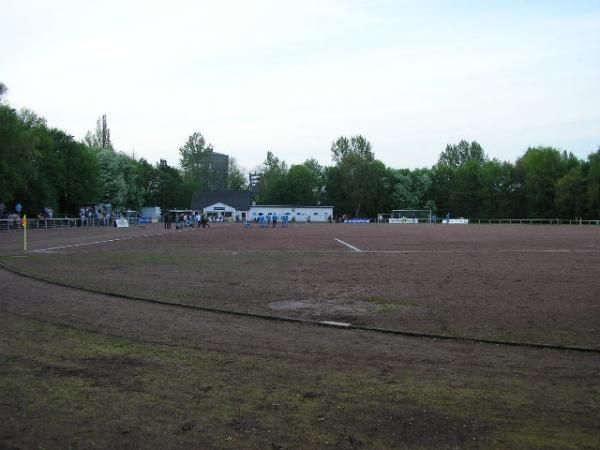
x=239, y=206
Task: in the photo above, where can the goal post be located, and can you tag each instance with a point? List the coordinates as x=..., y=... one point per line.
x=410, y=216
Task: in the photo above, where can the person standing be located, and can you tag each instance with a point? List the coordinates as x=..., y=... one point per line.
x=274, y=220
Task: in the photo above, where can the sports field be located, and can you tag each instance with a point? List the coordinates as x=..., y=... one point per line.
x=443, y=337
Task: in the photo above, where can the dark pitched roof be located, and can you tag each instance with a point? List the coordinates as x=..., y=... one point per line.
x=240, y=200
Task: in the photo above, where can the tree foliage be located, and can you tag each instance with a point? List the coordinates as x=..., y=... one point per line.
x=45, y=167
x=236, y=178
x=195, y=160
x=42, y=167
x=358, y=184
x=101, y=137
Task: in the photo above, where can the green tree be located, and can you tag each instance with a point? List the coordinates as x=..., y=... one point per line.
x=538, y=170
x=172, y=192
x=119, y=180
x=412, y=188
x=101, y=137
x=272, y=186
x=570, y=197
x=303, y=185
x=357, y=145
x=457, y=155
x=195, y=160
x=593, y=186
x=496, y=189
x=358, y=184
x=236, y=178
x=18, y=156
x=456, y=183
x=73, y=171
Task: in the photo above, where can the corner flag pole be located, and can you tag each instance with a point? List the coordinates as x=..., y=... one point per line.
x=24, y=224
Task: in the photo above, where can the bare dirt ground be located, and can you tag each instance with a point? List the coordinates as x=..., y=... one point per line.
x=517, y=283
x=84, y=370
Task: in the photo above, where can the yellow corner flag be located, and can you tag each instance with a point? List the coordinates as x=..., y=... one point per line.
x=24, y=225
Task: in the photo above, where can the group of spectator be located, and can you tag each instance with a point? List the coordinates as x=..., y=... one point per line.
x=98, y=215
x=13, y=217
x=185, y=220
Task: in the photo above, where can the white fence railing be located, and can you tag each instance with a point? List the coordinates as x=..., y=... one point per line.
x=503, y=221
x=555, y=221
x=38, y=224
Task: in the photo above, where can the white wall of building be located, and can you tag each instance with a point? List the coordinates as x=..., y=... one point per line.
x=300, y=213
x=219, y=208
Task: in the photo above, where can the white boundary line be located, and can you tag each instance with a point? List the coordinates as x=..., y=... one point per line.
x=358, y=250
x=484, y=251
x=60, y=247
x=350, y=246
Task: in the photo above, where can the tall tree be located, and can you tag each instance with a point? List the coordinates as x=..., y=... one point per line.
x=272, y=189
x=171, y=191
x=305, y=183
x=356, y=145
x=76, y=179
x=358, y=184
x=412, y=188
x=496, y=189
x=236, y=178
x=570, y=197
x=538, y=170
x=101, y=137
x=195, y=160
x=457, y=155
x=593, y=186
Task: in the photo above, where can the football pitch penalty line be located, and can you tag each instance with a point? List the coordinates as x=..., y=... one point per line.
x=127, y=238
x=517, y=250
x=482, y=251
x=350, y=246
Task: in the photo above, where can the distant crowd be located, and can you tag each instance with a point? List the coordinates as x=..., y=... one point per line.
x=184, y=220
x=99, y=215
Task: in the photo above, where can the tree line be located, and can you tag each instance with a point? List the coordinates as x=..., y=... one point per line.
x=43, y=167
x=543, y=183
x=46, y=167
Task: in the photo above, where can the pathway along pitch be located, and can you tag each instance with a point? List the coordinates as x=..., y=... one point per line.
x=325, y=324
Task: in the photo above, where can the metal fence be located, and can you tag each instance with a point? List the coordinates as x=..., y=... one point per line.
x=39, y=224
x=555, y=221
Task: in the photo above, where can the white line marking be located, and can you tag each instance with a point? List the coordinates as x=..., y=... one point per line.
x=482, y=251
x=50, y=249
x=349, y=245
x=335, y=324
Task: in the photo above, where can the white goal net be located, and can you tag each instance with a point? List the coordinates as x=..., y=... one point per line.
x=410, y=216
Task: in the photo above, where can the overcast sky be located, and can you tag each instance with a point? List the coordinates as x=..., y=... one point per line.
x=292, y=76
